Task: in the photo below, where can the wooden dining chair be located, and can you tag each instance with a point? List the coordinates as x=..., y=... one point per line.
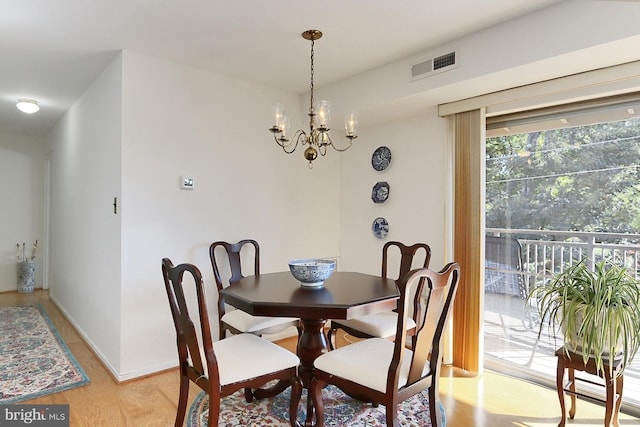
x=385, y=372
x=241, y=361
x=233, y=320
x=383, y=325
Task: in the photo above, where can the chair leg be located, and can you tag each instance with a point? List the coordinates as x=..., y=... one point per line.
x=182, y=400
x=296, y=393
x=331, y=337
x=214, y=412
x=248, y=395
x=391, y=412
x=434, y=408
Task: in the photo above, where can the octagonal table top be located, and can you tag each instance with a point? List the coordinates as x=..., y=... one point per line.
x=345, y=295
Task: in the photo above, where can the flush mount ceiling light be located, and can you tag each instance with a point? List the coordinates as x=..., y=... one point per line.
x=28, y=106
x=317, y=139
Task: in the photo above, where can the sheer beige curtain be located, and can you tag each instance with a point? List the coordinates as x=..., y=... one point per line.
x=468, y=236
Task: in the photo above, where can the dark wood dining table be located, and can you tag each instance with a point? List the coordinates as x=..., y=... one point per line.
x=345, y=295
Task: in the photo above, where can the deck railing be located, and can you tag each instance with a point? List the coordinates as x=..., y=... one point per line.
x=546, y=252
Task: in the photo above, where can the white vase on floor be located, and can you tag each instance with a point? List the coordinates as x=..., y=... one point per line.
x=26, y=276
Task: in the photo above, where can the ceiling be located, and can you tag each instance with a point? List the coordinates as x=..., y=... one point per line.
x=52, y=50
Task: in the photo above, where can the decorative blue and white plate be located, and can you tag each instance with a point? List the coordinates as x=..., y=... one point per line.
x=380, y=227
x=381, y=158
x=380, y=192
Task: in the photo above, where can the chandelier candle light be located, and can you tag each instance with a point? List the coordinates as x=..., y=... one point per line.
x=317, y=138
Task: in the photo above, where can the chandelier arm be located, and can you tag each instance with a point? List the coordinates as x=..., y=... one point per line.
x=289, y=146
x=342, y=149
x=322, y=137
x=300, y=134
x=282, y=142
x=322, y=149
x=338, y=148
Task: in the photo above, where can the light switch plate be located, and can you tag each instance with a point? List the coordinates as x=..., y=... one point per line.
x=187, y=182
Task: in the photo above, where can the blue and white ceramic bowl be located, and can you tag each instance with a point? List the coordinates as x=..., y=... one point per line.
x=312, y=272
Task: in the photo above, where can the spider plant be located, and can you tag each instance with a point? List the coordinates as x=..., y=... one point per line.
x=597, y=311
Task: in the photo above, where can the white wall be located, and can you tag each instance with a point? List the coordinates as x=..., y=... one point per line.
x=176, y=121
x=22, y=186
x=417, y=178
x=137, y=129
x=85, y=273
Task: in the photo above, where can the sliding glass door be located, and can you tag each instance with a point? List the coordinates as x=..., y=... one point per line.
x=561, y=184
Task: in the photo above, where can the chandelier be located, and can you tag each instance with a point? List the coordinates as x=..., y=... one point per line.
x=317, y=139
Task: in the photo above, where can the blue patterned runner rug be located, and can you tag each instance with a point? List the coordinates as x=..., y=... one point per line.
x=34, y=361
x=340, y=410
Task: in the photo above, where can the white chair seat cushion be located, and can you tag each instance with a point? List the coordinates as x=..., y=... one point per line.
x=365, y=362
x=247, y=323
x=244, y=356
x=377, y=325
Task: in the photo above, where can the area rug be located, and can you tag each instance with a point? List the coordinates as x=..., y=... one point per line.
x=34, y=360
x=340, y=410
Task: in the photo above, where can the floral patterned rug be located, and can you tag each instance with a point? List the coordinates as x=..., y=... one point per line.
x=340, y=410
x=34, y=361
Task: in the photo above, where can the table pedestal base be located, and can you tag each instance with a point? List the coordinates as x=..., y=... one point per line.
x=312, y=344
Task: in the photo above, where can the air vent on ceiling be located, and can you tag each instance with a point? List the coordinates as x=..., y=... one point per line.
x=431, y=66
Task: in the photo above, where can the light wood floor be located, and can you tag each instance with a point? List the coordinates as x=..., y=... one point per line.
x=489, y=400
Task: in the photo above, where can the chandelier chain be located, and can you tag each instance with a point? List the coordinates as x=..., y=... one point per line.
x=311, y=84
